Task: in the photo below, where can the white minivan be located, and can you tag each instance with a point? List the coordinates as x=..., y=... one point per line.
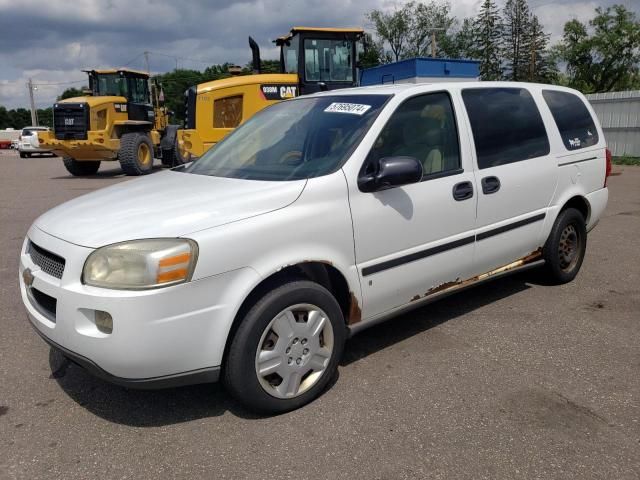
x=318, y=217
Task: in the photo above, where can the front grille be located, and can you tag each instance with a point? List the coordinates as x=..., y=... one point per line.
x=71, y=121
x=49, y=262
x=44, y=303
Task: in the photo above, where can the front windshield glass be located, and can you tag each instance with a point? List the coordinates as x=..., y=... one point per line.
x=293, y=140
x=109, y=84
x=328, y=60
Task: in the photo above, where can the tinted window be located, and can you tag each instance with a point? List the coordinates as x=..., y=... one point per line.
x=227, y=112
x=506, y=125
x=110, y=84
x=328, y=60
x=292, y=140
x=138, y=90
x=423, y=127
x=572, y=118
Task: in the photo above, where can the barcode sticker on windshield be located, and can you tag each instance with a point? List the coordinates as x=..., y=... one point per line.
x=354, y=108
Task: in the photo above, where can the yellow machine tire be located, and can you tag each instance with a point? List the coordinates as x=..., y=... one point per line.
x=136, y=154
x=180, y=158
x=81, y=168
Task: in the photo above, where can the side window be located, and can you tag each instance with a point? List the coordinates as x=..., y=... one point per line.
x=227, y=112
x=138, y=90
x=574, y=121
x=506, y=125
x=423, y=127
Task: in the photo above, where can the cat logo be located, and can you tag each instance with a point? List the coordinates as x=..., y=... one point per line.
x=279, y=92
x=69, y=121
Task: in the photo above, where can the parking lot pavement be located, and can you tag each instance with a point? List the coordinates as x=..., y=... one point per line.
x=512, y=379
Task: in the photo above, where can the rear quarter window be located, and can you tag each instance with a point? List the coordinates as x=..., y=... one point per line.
x=574, y=122
x=506, y=125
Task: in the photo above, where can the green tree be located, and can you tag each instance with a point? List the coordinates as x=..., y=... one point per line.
x=45, y=117
x=4, y=118
x=515, y=35
x=487, y=30
x=429, y=20
x=72, y=92
x=605, y=57
x=461, y=43
x=393, y=28
x=542, y=66
x=373, y=54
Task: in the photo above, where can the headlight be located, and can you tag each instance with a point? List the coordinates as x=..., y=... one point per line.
x=141, y=264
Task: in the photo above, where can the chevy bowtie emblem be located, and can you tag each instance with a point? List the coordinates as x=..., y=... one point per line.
x=28, y=277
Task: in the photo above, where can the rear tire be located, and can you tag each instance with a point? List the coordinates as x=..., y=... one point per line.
x=81, y=169
x=23, y=155
x=136, y=154
x=300, y=327
x=565, y=248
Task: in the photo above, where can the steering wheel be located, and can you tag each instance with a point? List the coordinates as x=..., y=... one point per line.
x=291, y=158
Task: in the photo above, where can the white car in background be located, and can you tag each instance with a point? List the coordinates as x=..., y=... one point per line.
x=29, y=143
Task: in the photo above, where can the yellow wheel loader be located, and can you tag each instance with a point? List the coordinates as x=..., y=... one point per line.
x=122, y=119
x=311, y=60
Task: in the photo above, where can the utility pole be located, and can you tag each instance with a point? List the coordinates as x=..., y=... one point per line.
x=434, y=45
x=34, y=112
x=146, y=62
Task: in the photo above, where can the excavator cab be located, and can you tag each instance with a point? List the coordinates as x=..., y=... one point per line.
x=311, y=60
x=323, y=58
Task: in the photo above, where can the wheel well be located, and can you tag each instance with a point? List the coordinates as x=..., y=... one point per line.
x=321, y=273
x=580, y=204
x=119, y=130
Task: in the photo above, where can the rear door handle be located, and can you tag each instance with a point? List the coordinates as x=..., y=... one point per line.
x=462, y=191
x=490, y=185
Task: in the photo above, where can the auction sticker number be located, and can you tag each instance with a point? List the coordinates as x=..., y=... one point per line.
x=353, y=108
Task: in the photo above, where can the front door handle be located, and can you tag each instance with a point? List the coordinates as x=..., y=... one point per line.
x=462, y=191
x=490, y=185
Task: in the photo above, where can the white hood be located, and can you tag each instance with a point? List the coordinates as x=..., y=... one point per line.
x=166, y=204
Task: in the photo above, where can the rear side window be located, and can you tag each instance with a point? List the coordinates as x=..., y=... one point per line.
x=506, y=125
x=574, y=121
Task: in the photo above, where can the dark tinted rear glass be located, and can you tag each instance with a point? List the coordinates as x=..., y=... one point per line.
x=574, y=121
x=506, y=124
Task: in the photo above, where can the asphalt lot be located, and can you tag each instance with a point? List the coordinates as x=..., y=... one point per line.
x=512, y=379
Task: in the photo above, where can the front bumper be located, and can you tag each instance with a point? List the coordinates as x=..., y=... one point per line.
x=97, y=146
x=162, y=337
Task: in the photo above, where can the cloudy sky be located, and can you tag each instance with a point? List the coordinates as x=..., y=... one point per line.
x=52, y=40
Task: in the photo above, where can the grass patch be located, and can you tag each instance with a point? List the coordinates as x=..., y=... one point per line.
x=626, y=160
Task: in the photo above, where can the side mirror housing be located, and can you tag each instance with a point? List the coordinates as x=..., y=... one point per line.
x=391, y=172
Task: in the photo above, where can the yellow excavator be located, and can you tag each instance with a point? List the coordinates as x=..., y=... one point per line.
x=122, y=118
x=311, y=60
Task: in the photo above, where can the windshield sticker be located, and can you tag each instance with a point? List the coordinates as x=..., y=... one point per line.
x=353, y=108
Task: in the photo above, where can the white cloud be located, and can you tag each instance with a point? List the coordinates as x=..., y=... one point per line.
x=53, y=40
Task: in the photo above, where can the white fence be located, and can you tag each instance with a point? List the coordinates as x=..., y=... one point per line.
x=619, y=115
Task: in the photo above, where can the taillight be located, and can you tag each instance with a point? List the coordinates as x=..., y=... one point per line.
x=607, y=172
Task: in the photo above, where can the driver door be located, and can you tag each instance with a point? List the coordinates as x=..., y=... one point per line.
x=411, y=241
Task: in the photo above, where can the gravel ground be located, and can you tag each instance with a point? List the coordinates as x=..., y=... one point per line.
x=512, y=379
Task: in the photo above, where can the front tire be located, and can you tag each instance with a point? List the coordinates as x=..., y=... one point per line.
x=81, y=169
x=136, y=154
x=286, y=349
x=565, y=248
x=23, y=155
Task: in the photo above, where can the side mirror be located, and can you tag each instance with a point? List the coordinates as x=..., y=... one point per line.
x=391, y=172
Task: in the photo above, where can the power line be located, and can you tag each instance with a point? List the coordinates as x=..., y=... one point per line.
x=57, y=83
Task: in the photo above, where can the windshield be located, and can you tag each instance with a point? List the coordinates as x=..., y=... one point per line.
x=293, y=140
x=328, y=60
x=109, y=84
